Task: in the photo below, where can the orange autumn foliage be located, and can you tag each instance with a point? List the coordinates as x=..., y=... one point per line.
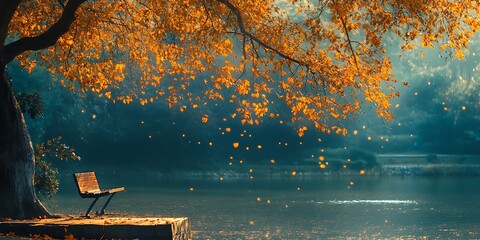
x=324, y=59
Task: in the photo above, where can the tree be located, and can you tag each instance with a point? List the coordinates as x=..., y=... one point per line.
x=323, y=59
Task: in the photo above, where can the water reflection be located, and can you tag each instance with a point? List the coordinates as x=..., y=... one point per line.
x=379, y=208
x=373, y=202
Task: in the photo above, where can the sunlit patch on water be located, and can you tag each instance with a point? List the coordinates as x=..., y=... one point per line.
x=404, y=202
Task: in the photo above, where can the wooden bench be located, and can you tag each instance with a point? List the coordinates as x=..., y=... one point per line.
x=87, y=185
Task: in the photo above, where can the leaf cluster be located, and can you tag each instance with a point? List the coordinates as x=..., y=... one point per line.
x=323, y=59
x=45, y=179
x=31, y=103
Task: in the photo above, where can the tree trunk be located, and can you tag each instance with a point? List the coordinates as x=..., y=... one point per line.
x=17, y=163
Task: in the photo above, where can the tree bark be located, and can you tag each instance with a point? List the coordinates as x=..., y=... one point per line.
x=17, y=163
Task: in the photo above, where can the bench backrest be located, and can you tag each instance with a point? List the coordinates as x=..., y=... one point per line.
x=86, y=182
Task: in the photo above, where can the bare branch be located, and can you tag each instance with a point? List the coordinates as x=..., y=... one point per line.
x=344, y=25
x=349, y=41
x=46, y=39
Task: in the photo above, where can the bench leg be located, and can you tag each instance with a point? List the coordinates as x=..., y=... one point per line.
x=105, y=205
x=91, y=206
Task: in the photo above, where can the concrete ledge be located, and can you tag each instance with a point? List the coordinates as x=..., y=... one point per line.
x=104, y=227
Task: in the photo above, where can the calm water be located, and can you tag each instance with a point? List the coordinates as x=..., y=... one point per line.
x=314, y=208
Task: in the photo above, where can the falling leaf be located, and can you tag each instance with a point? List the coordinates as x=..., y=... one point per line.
x=205, y=119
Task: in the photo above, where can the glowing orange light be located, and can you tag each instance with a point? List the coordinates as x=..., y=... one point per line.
x=235, y=144
x=205, y=119
x=362, y=172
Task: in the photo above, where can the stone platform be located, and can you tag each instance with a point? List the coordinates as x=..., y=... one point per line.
x=100, y=228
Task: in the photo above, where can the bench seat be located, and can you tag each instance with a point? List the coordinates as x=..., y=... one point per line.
x=100, y=193
x=88, y=187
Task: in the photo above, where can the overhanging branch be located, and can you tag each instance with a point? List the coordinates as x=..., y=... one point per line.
x=46, y=39
x=7, y=10
x=253, y=37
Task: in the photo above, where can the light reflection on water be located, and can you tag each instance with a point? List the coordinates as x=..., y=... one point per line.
x=372, y=202
x=375, y=208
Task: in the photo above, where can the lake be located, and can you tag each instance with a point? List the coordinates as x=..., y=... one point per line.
x=364, y=207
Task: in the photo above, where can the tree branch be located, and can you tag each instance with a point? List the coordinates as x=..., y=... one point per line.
x=7, y=10
x=46, y=39
x=253, y=37
x=344, y=24
x=349, y=41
